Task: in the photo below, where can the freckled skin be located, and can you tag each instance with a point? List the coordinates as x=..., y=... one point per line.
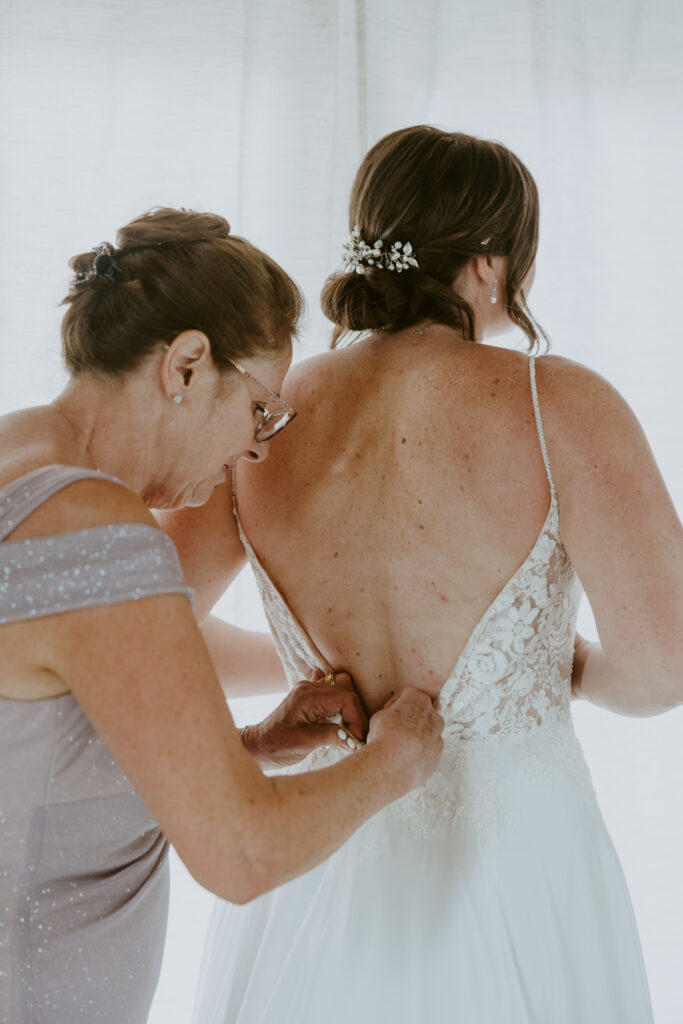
x=409, y=486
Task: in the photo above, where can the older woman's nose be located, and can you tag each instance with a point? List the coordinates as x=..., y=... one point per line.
x=257, y=452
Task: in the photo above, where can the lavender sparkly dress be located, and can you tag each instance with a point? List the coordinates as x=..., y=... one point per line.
x=83, y=865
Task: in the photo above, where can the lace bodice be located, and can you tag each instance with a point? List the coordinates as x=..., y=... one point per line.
x=515, y=670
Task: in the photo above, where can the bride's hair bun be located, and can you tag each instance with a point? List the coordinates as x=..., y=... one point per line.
x=369, y=301
x=170, y=271
x=384, y=300
x=454, y=197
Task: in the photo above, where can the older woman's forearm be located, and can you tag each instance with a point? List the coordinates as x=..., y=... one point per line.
x=276, y=828
x=596, y=680
x=357, y=788
x=337, y=800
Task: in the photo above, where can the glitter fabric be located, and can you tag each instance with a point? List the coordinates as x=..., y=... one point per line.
x=100, y=565
x=83, y=865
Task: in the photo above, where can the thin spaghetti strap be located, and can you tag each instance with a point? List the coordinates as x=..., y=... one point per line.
x=539, y=424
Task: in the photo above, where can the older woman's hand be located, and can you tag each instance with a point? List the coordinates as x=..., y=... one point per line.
x=313, y=714
x=411, y=728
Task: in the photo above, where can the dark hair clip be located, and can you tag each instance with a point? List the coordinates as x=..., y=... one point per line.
x=104, y=263
x=104, y=266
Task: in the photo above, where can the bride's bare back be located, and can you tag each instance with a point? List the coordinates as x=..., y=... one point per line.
x=412, y=486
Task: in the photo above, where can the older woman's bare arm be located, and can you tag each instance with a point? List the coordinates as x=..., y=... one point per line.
x=141, y=672
x=209, y=547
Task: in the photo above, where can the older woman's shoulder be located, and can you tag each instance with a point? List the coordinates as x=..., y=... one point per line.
x=96, y=501
x=32, y=439
x=71, y=502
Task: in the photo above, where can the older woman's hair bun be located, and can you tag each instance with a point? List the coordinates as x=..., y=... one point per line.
x=453, y=196
x=173, y=270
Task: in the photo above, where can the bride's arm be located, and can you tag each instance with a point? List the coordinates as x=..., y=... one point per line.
x=595, y=680
x=211, y=554
x=622, y=535
x=246, y=663
x=209, y=547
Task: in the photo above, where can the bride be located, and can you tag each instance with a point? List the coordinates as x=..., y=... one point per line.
x=433, y=514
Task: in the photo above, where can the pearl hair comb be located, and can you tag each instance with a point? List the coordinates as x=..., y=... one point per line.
x=358, y=255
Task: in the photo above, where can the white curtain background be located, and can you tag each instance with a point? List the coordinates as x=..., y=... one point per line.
x=261, y=110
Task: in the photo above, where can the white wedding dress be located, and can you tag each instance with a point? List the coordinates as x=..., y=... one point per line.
x=491, y=895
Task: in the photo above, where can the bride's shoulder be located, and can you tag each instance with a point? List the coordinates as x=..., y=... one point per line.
x=573, y=390
x=306, y=375
x=562, y=368
x=577, y=403
x=590, y=424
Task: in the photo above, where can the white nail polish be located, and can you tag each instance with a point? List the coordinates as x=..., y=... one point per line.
x=337, y=719
x=341, y=734
x=351, y=743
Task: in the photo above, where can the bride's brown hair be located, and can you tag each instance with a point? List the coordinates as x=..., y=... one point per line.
x=446, y=193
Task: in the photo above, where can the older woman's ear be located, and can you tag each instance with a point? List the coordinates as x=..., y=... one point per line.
x=188, y=353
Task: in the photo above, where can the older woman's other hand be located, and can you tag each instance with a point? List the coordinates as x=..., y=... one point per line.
x=313, y=714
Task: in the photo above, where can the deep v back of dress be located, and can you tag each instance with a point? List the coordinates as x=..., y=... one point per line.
x=528, y=629
x=493, y=892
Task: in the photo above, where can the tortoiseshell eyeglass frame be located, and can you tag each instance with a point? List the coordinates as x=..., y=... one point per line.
x=272, y=422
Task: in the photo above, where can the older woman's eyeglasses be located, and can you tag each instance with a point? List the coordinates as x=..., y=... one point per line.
x=271, y=420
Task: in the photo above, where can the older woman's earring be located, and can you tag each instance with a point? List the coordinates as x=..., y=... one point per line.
x=177, y=399
x=494, y=290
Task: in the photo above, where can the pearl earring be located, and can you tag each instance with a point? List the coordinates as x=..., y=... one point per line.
x=494, y=290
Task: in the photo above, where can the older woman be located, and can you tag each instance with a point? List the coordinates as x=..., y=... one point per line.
x=114, y=732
